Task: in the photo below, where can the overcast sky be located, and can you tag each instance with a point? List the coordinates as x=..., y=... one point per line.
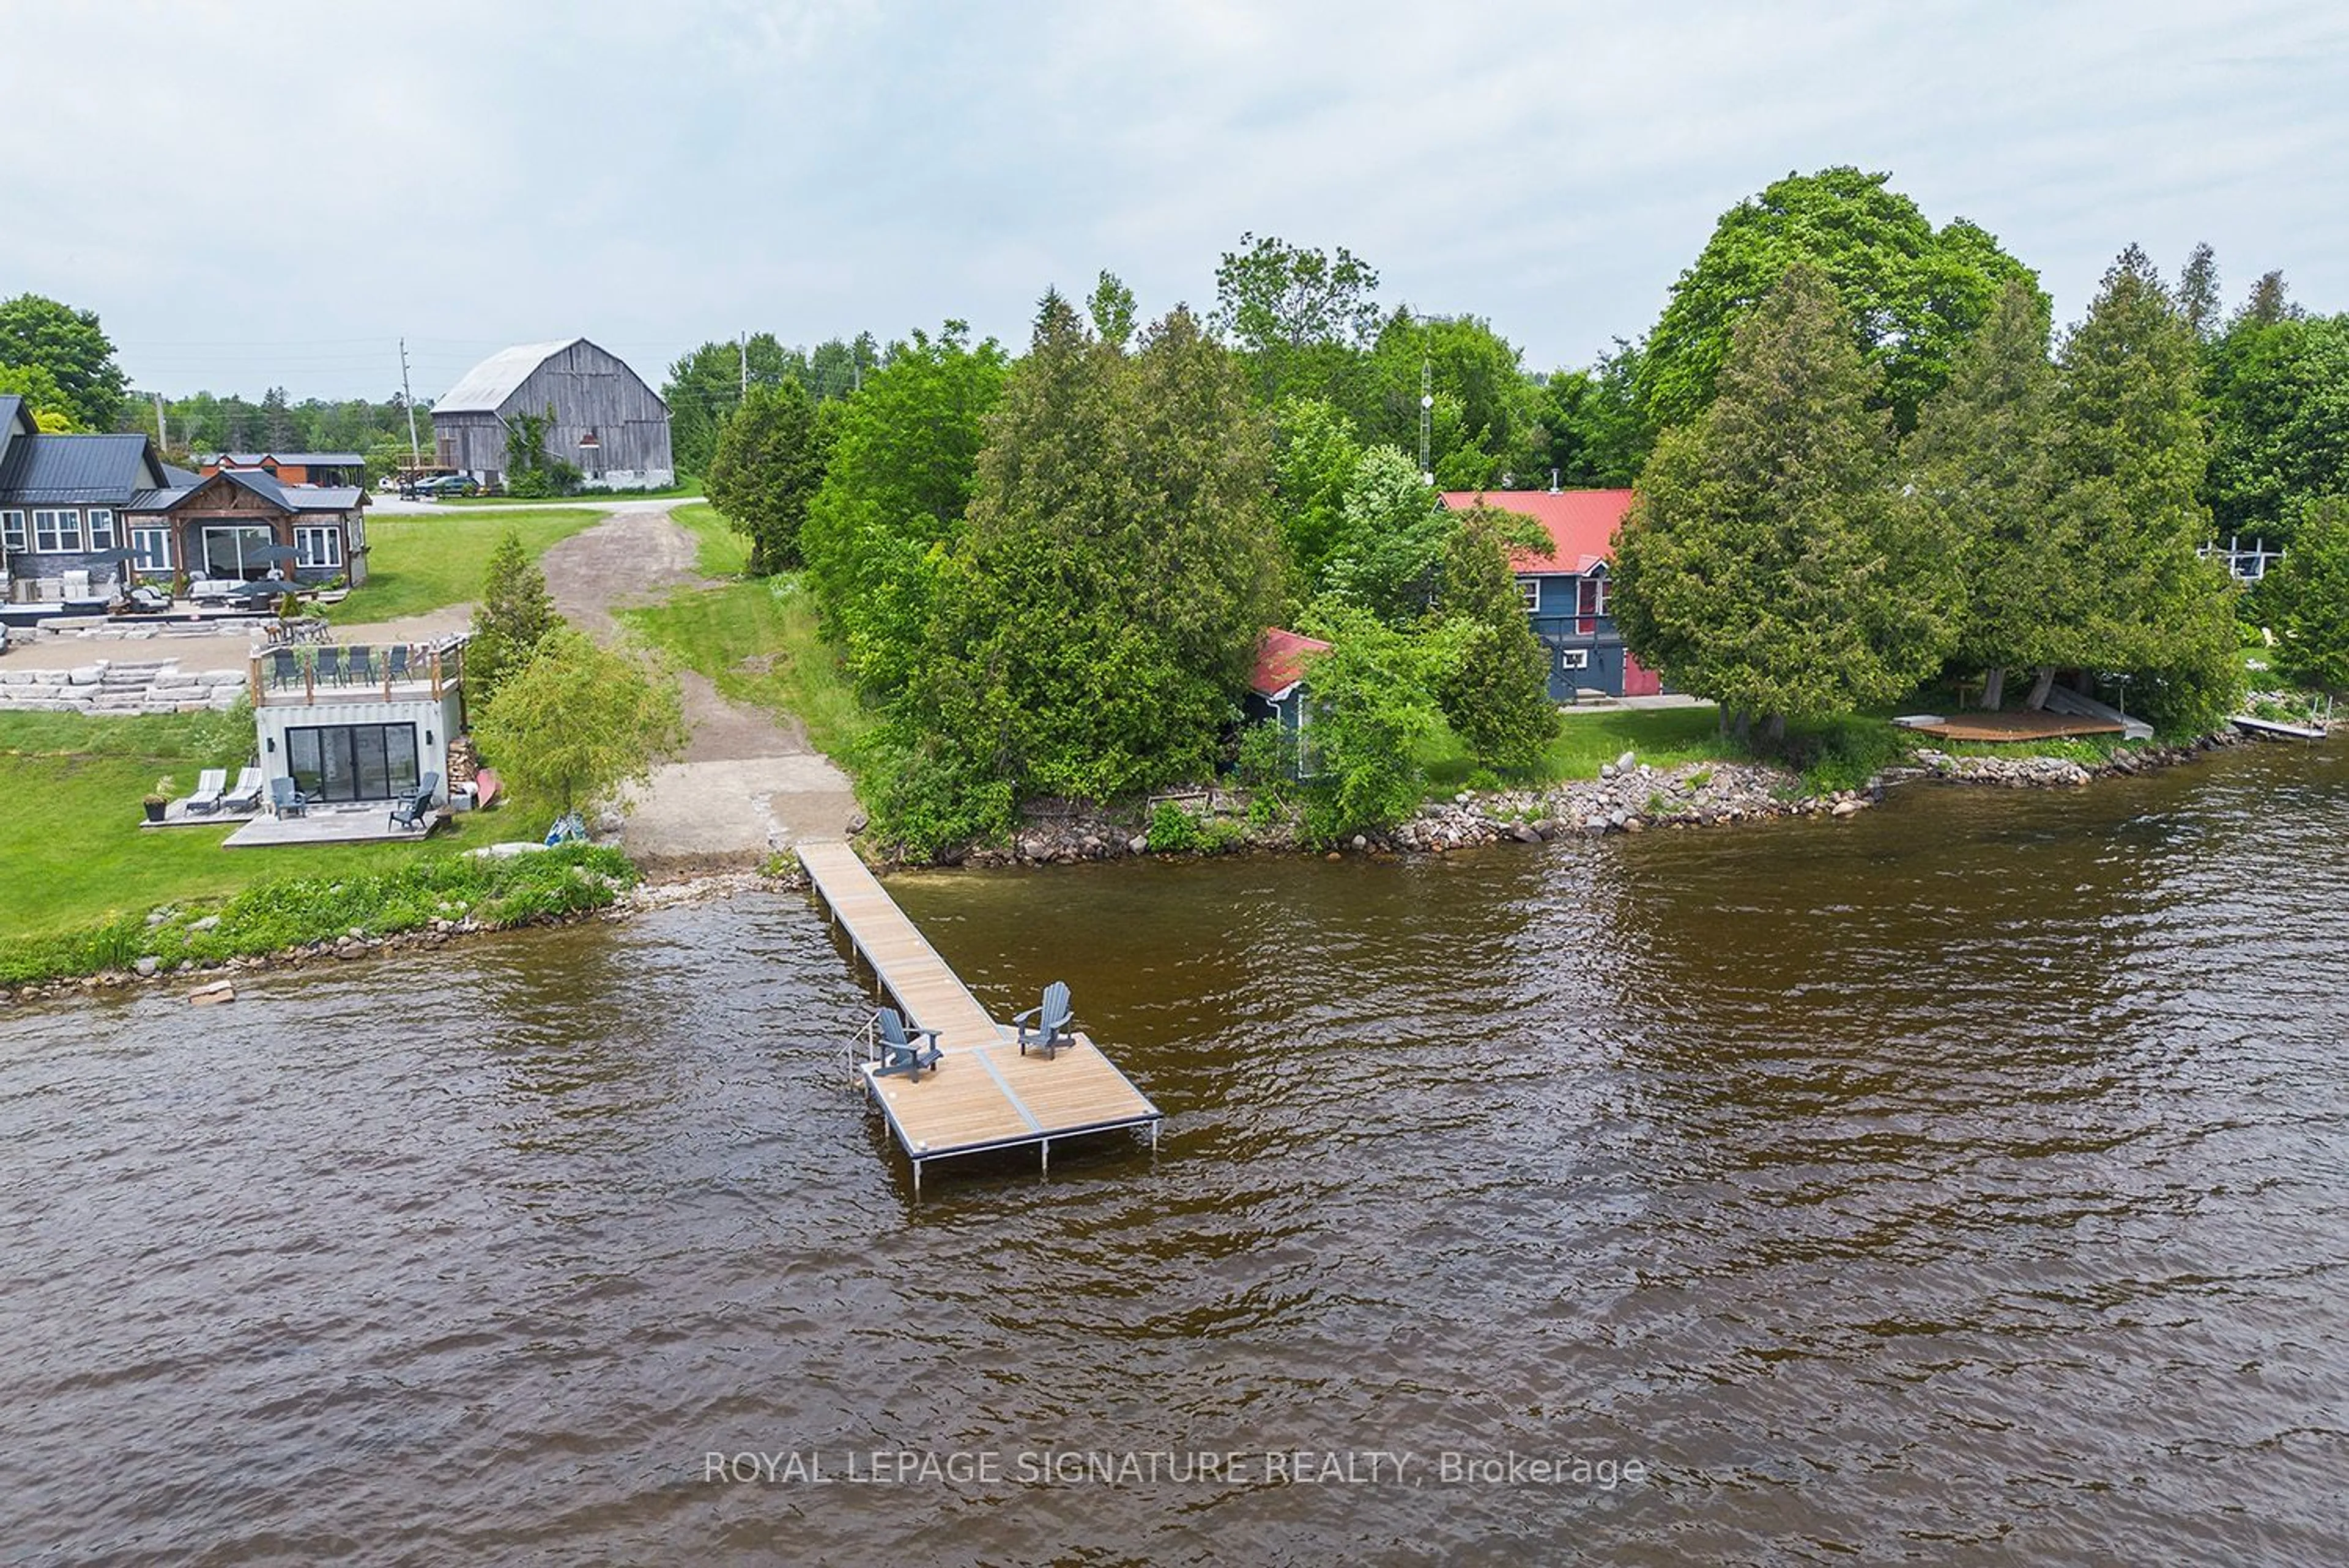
x=264, y=193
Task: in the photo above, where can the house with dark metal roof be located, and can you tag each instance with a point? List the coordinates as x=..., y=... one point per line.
x=1566, y=592
x=82, y=515
x=64, y=503
x=240, y=525
x=605, y=420
x=292, y=467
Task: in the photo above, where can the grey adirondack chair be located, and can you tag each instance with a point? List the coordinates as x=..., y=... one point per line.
x=416, y=810
x=1051, y=1031
x=902, y=1050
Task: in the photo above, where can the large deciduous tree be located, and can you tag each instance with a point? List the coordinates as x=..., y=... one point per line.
x=1301, y=318
x=1120, y=563
x=706, y=385
x=769, y=464
x=2280, y=425
x=1768, y=563
x=1393, y=528
x=576, y=721
x=1910, y=293
x=895, y=489
x=41, y=334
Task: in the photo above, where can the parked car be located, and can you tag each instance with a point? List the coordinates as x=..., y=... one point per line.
x=451, y=485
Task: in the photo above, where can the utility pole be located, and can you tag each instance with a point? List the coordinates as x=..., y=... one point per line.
x=1426, y=418
x=415, y=452
x=163, y=434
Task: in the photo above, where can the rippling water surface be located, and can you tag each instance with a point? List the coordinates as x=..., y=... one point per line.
x=1962, y=1184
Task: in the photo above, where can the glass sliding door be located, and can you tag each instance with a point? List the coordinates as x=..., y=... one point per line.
x=352, y=761
x=235, y=552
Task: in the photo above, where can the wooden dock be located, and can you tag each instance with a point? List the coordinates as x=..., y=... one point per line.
x=984, y=1095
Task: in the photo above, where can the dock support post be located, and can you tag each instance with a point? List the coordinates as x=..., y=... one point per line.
x=1154, y=1138
x=917, y=1179
x=1048, y=1156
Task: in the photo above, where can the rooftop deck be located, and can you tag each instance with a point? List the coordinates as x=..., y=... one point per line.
x=357, y=672
x=985, y=1094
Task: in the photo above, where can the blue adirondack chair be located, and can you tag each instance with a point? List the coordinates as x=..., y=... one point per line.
x=1052, y=1018
x=287, y=798
x=902, y=1050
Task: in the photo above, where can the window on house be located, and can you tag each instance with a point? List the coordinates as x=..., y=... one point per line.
x=1602, y=597
x=318, y=546
x=57, y=530
x=153, y=548
x=1530, y=589
x=101, y=528
x=12, y=530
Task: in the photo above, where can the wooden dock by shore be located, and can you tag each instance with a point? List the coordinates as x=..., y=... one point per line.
x=984, y=1094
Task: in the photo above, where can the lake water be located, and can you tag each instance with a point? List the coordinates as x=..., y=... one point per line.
x=1964, y=1184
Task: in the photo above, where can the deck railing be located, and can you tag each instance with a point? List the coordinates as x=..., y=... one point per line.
x=356, y=672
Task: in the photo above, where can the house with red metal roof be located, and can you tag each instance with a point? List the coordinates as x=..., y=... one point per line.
x=1566, y=592
x=1276, y=687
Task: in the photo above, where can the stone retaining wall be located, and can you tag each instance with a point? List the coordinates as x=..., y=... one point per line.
x=119, y=686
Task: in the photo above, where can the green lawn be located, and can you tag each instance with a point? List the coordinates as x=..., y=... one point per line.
x=421, y=564
x=1662, y=737
x=76, y=853
x=722, y=553
x=757, y=643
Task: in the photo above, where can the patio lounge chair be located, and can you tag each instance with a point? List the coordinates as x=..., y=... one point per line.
x=1053, y=1019
x=286, y=799
x=359, y=668
x=395, y=661
x=330, y=666
x=246, y=795
x=210, y=785
x=901, y=1053
x=416, y=811
x=283, y=672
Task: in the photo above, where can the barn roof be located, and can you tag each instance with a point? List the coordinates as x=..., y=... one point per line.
x=1581, y=523
x=489, y=384
x=1280, y=658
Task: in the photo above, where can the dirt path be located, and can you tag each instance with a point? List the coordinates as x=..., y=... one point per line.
x=747, y=784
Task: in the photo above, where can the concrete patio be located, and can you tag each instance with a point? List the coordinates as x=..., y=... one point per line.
x=357, y=823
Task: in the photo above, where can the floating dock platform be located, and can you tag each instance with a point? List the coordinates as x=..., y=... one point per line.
x=984, y=1094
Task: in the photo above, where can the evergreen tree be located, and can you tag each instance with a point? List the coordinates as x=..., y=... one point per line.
x=769, y=464
x=2198, y=293
x=277, y=421
x=2130, y=462
x=1119, y=566
x=1982, y=472
x=1768, y=563
x=1496, y=692
x=514, y=617
x=2280, y=422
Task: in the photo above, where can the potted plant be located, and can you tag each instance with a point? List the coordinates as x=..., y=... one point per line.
x=160, y=796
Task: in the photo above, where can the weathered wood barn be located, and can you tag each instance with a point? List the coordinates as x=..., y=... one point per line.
x=607, y=420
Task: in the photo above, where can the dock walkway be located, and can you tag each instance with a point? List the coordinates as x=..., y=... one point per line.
x=984, y=1094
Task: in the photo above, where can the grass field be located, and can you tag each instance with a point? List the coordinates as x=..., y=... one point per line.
x=722, y=552
x=76, y=853
x=757, y=643
x=1663, y=737
x=421, y=564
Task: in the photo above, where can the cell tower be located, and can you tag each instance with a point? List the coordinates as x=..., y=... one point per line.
x=1426, y=419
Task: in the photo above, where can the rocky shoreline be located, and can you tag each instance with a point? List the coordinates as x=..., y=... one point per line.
x=1629, y=797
